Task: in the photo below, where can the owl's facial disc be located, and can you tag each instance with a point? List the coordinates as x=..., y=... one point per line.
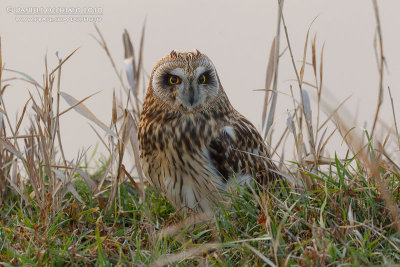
x=188, y=89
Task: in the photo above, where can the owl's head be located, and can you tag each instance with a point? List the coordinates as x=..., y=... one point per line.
x=185, y=81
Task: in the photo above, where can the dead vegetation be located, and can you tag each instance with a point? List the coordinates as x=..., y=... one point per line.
x=337, y=210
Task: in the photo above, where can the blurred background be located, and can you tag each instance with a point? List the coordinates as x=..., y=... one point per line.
x=236, y=35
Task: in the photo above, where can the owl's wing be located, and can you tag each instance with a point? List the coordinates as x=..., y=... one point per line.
x=239, y=149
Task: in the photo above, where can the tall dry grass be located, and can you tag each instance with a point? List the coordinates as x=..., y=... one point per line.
x=36, y=171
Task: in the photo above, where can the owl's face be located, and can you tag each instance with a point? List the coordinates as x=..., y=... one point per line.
x=185, y=81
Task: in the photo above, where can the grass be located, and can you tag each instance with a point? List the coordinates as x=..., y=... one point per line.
x=341, y=210
x=333, y=223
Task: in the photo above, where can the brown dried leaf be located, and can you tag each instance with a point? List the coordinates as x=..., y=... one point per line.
x=129, y=60
x=314, y=61
x=62, y=62
x=139, y=63
x=320, y=69
x=114, y=110
x=304, y=57
x=268, y=80
x=22, y=116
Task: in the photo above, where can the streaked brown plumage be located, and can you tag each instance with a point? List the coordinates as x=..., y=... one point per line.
x=192, y=141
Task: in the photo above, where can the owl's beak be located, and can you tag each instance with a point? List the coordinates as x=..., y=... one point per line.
x=189, y=97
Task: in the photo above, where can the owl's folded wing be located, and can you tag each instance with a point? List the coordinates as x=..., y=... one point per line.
x=238, y=150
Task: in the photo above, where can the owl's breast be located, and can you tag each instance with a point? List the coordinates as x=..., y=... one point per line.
x=175, y=159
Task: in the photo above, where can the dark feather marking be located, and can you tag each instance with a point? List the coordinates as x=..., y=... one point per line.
x=180, y=189
x=175, y=180
x=158, y=178
x=195, y=197
x=180, y=157
x=217, y=149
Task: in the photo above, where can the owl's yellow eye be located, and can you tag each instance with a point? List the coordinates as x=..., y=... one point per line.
x=174, y=79
x=202, y=79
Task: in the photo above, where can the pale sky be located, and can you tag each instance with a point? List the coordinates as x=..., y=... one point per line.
x=236, y=35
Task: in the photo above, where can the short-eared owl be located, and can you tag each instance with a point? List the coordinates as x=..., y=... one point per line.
x=193, y=143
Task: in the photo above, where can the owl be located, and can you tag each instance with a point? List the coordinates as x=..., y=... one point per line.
x=194, y=146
